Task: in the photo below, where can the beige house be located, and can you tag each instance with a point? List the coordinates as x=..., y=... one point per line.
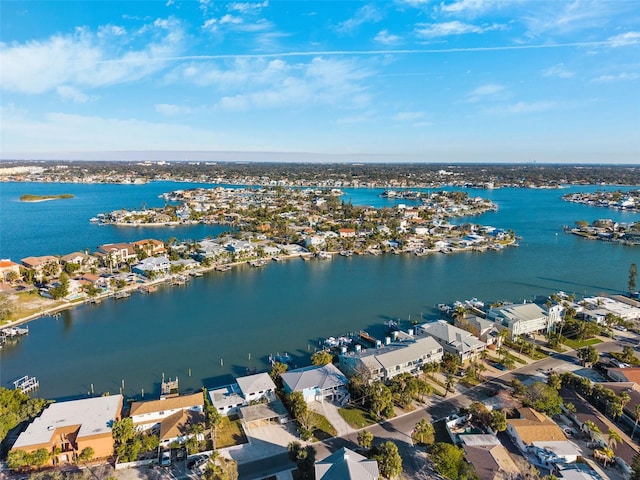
x=70, y=427
x=533, y=426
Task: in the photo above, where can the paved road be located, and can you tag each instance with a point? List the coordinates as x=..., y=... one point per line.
x=399, y=429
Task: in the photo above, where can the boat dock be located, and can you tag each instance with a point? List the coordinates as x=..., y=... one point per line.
x=223, y=268
x=26, y=384
x=148, y=288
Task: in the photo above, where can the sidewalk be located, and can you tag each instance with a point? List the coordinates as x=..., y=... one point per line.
x=330, y=412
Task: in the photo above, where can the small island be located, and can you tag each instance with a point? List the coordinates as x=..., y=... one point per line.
x=44, y=198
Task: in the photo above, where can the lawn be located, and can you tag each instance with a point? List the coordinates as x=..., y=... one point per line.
x=324, y=429
x=30, y=303
x=575, y=344
x=230, y=433
x=357, y=417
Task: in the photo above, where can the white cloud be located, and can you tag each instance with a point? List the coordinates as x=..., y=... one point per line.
x=257, y=83
x=387, y=38
x=521, y=108
x=624, y=39
x=248, y=7
x=484, y=92
x=407, y=116
x=572, y=16
x=228, y=18
x=616, y=78
x=366, y=14
x=70, y=93
x=431, y=30
x=111, y=30
x=85, y=59
x=170, y=109
x=557, y=71
x=471, y=7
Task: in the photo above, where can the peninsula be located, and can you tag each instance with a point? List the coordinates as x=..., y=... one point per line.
x=44, y=198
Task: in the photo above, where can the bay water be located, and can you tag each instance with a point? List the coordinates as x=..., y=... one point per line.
x=218, y=326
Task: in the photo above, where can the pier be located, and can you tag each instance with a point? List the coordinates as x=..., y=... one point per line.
x=26, y=384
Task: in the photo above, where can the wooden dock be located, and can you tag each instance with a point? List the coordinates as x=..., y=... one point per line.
x=26, y=384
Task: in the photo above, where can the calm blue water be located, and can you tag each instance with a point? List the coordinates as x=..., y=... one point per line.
x=220, y=324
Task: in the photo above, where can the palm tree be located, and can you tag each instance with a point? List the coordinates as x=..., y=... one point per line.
x=592, y=429
x=613, y=439
x=637, y=412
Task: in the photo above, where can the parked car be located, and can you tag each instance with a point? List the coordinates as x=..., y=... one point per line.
x=621, y=328
x=165, y=459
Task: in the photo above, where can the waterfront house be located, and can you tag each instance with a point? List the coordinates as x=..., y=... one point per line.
x=239, y=247
x=533, y=426
x=6, y=267
x=525, y=318
x=454, y=339
x=490, y=460
x=392, y=358
x=345, y=464
x=150, y=246
x=39, y=264
x=160, y=415
x=157, y=265
x=482, y=328
x=209, y=249
x=251, y=388
x=114, y=254
x=604, y=305
x=65, y=429
x=319, y=383
x=77, y=258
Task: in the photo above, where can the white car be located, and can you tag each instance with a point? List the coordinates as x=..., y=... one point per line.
x=621, y=328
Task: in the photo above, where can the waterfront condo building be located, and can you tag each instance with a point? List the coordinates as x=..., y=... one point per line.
x=65, y=429
x=406, y=354
x=525, y=318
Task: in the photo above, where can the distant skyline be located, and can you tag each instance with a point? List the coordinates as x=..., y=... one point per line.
x=545, y=81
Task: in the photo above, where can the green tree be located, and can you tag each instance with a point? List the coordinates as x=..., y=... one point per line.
x=220, y=468
x=388, y=458
x=304, y=457
x=553, y=380
x=380, y=398
x=449, y=462
x=423, y=432
x=588, y=355
x=17, y=407
x=365, y=438
x=277, y=369
x=543, y=398
x=613, y=439
x=86, y=455
x=321, y=357
x=498, y=421
x=404, y=388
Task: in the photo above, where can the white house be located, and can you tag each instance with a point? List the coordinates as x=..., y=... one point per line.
x=392, y=359
x=317, y=383
x=152, y=264
x=454, y=339
x=524, y=318
x=230, y=398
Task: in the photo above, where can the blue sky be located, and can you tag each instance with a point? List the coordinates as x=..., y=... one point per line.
x=414, y=80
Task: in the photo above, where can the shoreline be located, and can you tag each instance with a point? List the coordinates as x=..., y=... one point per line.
x=70, y=304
